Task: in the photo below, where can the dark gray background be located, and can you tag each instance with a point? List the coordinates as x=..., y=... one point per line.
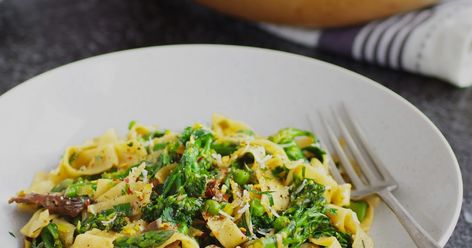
x=38, y=35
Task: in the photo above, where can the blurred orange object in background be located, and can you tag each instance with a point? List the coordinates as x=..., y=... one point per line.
x=315, y=13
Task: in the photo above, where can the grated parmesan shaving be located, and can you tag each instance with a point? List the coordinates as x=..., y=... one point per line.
x=249, y=224
x=145, y=174
x=106, y=222
x=243, y=209
x=300, y=188
x=274, y=212
x=225, y=214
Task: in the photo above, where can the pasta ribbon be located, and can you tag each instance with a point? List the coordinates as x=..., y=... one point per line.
x=186, y=241
x=66, y=231
x=128, y=191
x=328, y=242
x=372, y=202
x=129, y=153
x=346, y=221
x=42, y=183
x=99, y=155
x=103, y=185
x=226, y=231
x=339, y=195
x=95, y=238
x=223, y=126
x=138, y=131
x=343, y=219
x=278, y=192
x=271, y=148
x=37, y=222
x=362, y=240
x=87, y=160
x=162, y=174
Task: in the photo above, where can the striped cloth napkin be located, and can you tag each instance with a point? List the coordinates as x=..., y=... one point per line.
x=436, y=41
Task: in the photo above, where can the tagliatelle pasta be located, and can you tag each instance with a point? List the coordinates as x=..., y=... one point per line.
x=219, y=187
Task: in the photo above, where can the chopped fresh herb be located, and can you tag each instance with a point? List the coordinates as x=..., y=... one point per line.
x=121, y=174
x=48, y=238
x=248, y=188
x=131, y=124
x=11, y=234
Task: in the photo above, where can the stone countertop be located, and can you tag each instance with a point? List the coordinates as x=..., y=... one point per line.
x=38, y=35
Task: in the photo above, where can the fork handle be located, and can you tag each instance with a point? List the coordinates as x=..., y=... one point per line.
x=416, y=232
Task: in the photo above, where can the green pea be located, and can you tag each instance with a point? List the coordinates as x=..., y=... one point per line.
x=256, y=208
x=281, y=222
x=212, y=207
x=269, y=242
x=241, y=176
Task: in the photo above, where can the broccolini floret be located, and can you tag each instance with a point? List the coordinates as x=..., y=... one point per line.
x=176, y=209
x=113, y=219
x=307, y=215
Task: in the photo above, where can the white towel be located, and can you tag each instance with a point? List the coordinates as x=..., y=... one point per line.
x=435, y=41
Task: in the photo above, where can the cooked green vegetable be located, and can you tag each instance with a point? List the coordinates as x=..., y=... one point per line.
x=192, y=172
x=307, y=215
x=257, y=209
x=177, y=209
x=269, y=242
x=224, y=148
x=360, y=208
x=287, y=137
x=212, y=207
x=75, y=188
x=62, y=185
x=149, y=239
x=113, y=219
x=120, y=174
x=220, y=187
x=49, y=238
x=241, y=176
x=281, y=222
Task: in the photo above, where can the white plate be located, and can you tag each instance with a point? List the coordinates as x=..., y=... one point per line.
x=174, y=86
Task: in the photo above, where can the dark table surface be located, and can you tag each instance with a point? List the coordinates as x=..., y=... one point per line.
x=38, y=35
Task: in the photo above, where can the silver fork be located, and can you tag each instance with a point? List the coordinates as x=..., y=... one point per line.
x=374, y=177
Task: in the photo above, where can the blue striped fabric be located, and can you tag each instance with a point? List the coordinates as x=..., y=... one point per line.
x=436, y=41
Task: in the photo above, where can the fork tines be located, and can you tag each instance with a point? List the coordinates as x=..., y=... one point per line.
x=359, y=163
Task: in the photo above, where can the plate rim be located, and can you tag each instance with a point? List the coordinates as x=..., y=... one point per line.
x=338, y=69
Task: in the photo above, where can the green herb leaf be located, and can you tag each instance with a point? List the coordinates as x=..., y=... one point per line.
x=131, y=124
